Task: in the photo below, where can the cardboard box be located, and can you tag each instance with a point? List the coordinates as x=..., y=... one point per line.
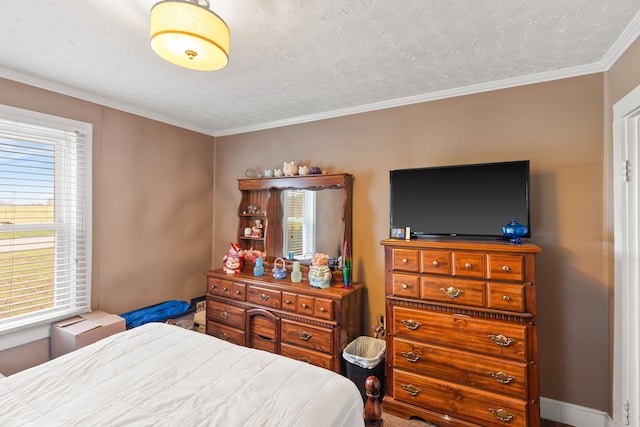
x=71, y=334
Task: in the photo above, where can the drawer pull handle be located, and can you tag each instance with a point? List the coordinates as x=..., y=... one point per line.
x=506, y=298
x=213, y=287
x=506, y=268
x=435, y=263
x=305, y=306
x=404, y=260
x=467, y=265
x=263, y=297
x=322, y=309
x=223, y=336
x=303, y=359
x=405, y=286
x=238, y=292
x=224, y=314
x=225, y=289
x=501, y=377
x=264, y=338
x=411, y=356
x=452, y=292
x=304, y=336
x=410, y=389
x=502, y=415
x=410, y=324
x=501, y=340
x=287, y=302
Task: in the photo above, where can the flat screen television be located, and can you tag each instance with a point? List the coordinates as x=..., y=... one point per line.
x=473, y=200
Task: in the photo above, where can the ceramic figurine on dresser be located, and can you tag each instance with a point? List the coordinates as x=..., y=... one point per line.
x=257, y=229
x=232, y=261
x=289, y=168
x=319, y=272
x=303, y=170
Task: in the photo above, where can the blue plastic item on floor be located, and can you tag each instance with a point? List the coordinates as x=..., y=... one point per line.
x=156, y=313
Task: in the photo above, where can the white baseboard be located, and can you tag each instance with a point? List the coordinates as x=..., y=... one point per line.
x=573, y=415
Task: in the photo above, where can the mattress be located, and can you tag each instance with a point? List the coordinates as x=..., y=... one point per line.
x=162, y=375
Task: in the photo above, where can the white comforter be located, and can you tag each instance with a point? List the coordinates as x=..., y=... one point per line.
x=162, y=375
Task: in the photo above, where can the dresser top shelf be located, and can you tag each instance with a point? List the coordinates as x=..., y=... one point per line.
x=334, y=291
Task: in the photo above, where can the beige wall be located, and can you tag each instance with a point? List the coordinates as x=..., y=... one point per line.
x=152, y=204
x=153, y=200
x=558, y=126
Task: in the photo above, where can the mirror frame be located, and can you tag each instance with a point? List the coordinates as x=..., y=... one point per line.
x=274, y=215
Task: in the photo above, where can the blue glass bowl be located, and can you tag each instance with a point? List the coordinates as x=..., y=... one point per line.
x=514, y=231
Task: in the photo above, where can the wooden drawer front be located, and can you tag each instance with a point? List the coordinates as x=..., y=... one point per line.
x=468, y=264
x=436, y=262
x=477, y=406
x=223, y=313
x=307, y=356
x=213, y=286
x=493, y=374
x=225, y=333
x=289, y=301
x=308, y=336
x=239, y=291
x=263, y=296
x=323, y=308
x=225, y=288
x=305, y=305
x=491, y=337
x=406, y=285
x=506, y=267
x=465, y=292
x=406, y=260
x=502, y=296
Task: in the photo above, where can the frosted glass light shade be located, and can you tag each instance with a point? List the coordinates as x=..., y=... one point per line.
x=189, y=35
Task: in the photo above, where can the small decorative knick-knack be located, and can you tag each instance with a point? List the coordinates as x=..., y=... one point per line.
x=319, y=273
x=289, y=168
x=296, y=274
x=514, y=231
x=258, y=269
x=279, y=272
x=346, y=265
x=303, y=170
x=278, y=172
x=256, y=230
x=233, y=260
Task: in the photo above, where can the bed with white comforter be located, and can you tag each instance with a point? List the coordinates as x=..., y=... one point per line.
x=163, y=375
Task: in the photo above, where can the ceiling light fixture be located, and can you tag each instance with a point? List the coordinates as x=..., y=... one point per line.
x=189, y=35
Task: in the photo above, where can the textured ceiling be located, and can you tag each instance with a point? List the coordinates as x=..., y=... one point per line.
x=293, y=61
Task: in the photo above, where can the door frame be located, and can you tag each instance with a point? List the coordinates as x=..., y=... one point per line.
x=626, y=356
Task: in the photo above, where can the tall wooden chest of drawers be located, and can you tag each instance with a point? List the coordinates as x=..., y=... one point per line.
x=462, y=339
x=292, y=319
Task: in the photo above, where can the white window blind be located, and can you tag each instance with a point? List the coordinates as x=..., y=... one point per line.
x=300, y=226
x=45, y=218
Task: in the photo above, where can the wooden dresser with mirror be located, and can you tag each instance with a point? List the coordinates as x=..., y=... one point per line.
x=462, y=340
x=293, y=319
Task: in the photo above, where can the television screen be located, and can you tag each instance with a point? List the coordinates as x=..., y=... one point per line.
x=461, y=200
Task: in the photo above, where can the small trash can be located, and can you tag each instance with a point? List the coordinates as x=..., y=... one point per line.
x=365, y=356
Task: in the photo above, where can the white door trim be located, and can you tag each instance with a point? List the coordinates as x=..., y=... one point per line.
x=626, y=359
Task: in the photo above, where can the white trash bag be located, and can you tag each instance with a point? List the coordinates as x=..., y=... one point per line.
x=366, y=352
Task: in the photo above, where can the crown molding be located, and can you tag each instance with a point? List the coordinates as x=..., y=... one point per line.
x=90, y=97
x=416, y=99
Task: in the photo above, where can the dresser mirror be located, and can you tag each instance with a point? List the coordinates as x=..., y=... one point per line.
x=312, y=222
x=304, y=214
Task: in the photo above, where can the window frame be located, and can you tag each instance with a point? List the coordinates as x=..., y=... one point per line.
x=307, y=222
x=39, y=327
